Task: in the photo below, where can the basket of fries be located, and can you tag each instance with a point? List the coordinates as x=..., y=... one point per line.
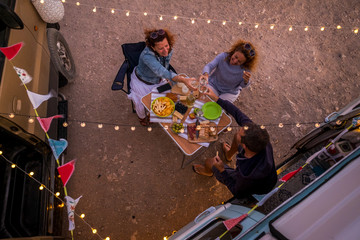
x=163, y=106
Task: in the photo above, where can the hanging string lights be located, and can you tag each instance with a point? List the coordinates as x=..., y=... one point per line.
x=194, y=20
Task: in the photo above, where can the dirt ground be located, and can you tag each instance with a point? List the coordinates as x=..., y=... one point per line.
x=131, y=182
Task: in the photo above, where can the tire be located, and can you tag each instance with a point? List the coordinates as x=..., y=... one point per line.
x=60, y=54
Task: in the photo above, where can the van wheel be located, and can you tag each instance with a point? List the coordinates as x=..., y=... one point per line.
x=60, y=54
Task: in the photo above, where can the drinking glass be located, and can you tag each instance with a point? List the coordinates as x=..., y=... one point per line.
x=203, y=87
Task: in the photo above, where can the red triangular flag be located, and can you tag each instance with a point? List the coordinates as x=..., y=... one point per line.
x=66, y=171
x=10, y=52
x=45, y=122
x=290, y=175
x=230, y=223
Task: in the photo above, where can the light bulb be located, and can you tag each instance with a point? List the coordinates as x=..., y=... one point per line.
x=57, y=194
x=161, y=18
x=112, y=10
x=116, y=128
x=77, y=3
x=240, y=23
x=31, y=173
x=30, y=120
x=298, y=125
x=256, y=25
x=13, y=165
x=192, y=21
x=149, y=129
x=11, y=115
x=356, y=31
x=41, y=187
x=132, y=128
x=272, y=26
x=281, y=125
x=175, y=17
x=338, y=27
x=224, y=22
x=94, y=231
x=94, y=9
x=63, y=1
x=65, y=124
x=145, y=14
x=262, y=127
x=228, y=128
x=209, y=21
x=82, y=124
x=82, y=215
x=100, y=125
x=290, y=28
x=127, y=13
x=317, y=125
x=322, y=28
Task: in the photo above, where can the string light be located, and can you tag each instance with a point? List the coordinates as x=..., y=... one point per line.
x=57, y=194
x=149, y=129
x=192, y=21
x=116, y=128
x=30, y=120
x=224, y=22
x=298, y=125
x=132, y=128
x=317, y=125
x=228, y=128
x=262, y=127
x=281, y=125
x=112, y=11
x=63, y=1
x=82, y=215
x=161, y=18
x=82, y=124
x=65, y=124
x=338, y=122
x=77, y=3
x=322, y=28
x=127, y=13
x=41, y=187
x=306, y=28
x=100, y=125
x=338, y=27
x=290, y=28
x=13, y=165
x=256, y=25
x=272, y=26
x=31, y=174
x=209, y=21
x=175, y=17
x=356, y=30
x=145, y=14
x=107, y=238
x=94, y=231
x=94, y=9
x=240, y=23
x=11, y=115
x=41, y=1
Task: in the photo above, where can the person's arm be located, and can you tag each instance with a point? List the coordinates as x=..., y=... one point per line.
x=213, y=64
x=232, y=182
x=245, y=79
x=239, y=116
x=156, y=67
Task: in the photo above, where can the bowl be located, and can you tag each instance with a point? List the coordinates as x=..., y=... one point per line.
x=163, y=106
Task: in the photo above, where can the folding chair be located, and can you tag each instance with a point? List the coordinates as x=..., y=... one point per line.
x=132, y=53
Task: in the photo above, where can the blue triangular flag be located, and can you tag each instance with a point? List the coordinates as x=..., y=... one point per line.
x=58, y=146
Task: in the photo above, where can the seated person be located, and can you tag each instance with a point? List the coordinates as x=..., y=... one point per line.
x=255, y=168
x=153, y=69
x=230, y=71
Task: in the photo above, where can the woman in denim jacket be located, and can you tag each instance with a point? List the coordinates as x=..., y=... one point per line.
x=153, y=69
x=230, y=71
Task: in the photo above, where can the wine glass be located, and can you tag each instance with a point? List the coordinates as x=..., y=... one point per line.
x=203, y=87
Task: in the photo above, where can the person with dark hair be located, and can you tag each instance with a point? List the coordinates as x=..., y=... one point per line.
x=153, y=69
x=255, y=167
x=230, y=71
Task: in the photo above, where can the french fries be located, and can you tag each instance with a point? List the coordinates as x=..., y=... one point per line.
x=163, y=106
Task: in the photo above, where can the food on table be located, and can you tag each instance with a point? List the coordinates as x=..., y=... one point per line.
x=192, y=116
x=182, y=98
x=185, y=89
x=163, y=106
x=204, y=122
x=181, y=108
x=191, y=131
x=172, y=96
x=177, y=127
x=178, y=115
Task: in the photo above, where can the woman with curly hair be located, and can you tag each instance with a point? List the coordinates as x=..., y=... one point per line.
x=153, y=69
x=230, y=71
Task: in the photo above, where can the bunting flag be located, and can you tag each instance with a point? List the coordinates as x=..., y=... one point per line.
x=38, y=99
x=23, y=75
x=288, y=176
x=66, y=171
x=230, y=223
x=356, y=121
x=12, y=51
x=58, y=146
x=46, y=122
x=71, y=204
x=267, y=196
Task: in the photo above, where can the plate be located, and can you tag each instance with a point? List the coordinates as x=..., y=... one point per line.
x=211, y=110
x=163, y=101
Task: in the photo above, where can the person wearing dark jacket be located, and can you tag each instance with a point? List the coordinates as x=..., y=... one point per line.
x=255, y=168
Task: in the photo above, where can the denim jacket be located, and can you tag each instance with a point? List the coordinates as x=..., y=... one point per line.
x=152, y=68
